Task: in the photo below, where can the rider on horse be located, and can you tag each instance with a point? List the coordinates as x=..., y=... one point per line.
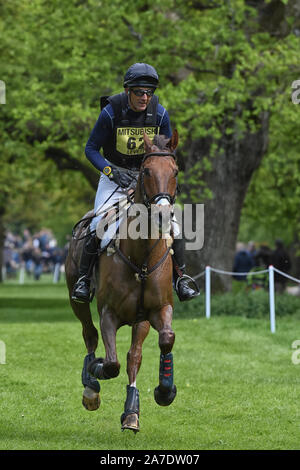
x=119, y=131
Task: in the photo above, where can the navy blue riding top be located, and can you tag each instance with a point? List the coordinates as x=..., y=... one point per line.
x=103, y=130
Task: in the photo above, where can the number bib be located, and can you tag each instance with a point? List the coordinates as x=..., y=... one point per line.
x=130, y=140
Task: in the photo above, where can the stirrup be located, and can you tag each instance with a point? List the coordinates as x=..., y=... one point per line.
x=80, y=300
x=83, y=300
x=185, y=276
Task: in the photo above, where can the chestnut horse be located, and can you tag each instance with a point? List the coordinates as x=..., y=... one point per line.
x=133, y=287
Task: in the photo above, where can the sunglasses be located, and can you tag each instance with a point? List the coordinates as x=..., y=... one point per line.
x=142, y=92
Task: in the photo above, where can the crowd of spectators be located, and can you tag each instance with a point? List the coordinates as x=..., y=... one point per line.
x=249, y=258
x=38, y=253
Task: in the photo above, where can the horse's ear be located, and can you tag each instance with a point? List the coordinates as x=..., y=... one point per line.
x=173, y=141
x=148, y=144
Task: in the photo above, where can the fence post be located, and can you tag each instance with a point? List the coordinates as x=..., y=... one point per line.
x=207, y=291
x=56, y=273
x=272, y=298
x=2, y=352
x=22, y=274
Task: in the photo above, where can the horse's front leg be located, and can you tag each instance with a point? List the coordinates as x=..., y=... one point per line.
x=166, y=391
x=130, y=417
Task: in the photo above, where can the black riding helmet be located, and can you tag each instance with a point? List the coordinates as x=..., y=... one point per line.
x=141, y=75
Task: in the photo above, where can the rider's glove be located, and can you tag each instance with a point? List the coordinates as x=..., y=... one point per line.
x=121, y=178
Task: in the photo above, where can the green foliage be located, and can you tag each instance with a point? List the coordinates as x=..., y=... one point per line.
x=58, y=58
x=273, y=199
x=242, y=303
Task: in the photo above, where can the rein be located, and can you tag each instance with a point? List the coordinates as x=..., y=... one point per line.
x=89, y=218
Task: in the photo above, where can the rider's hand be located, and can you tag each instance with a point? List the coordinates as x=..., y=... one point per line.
x=122, y=178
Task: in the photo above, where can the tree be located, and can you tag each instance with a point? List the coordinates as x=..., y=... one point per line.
x=223, y=70
x=271, y=208
x=250, y=62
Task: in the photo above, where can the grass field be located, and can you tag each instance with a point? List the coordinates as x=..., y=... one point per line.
x=237, y=385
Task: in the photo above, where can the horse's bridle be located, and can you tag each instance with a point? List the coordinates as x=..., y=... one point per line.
x=154, y=199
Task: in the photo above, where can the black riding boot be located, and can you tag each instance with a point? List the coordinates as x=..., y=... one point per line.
x=81, y=290
x=182, y=280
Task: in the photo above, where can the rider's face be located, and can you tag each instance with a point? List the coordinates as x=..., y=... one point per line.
x=139, y=103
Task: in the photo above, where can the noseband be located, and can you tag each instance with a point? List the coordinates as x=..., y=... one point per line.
x=157, y=197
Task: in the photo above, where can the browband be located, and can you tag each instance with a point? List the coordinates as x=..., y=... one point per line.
x=159, y=154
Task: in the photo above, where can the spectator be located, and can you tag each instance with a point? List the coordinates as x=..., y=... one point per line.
x=252, y=249
x=243, y=262
x=38, y=266
x=263, y=257
x=280, y=260
x=9, y=258
x=27, y=256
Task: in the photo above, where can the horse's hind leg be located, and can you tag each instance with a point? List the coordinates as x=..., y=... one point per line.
x=91, y=396
x=130, y=417
x=166, y=391
x=108, y=367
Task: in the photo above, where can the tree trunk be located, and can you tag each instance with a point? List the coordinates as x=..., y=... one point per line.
x=229, y=178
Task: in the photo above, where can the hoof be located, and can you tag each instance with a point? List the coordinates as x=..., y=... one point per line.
x=131, y=422
x=165, y=397
x=90, y=399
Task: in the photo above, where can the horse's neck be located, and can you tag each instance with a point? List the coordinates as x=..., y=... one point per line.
x=141, y=249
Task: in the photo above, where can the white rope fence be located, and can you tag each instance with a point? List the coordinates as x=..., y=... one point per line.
x=207, y=274
x=270, y=270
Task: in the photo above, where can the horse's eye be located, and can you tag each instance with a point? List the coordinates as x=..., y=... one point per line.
x=175, y=173
x=147, y=171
